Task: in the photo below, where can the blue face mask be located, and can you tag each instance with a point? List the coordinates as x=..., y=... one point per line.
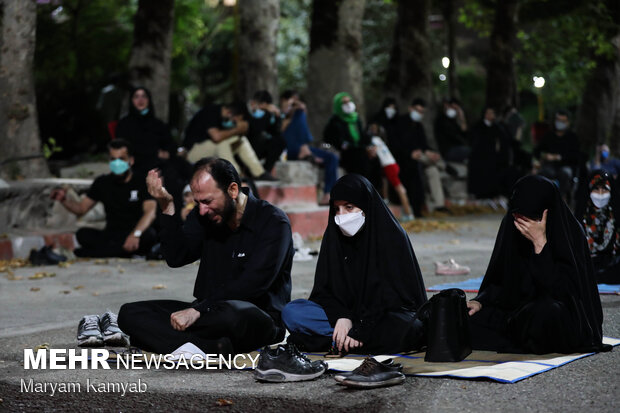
x=228, y=124
x=604, y=155
x=258, y=113
x=144, y=111
x=119, y=166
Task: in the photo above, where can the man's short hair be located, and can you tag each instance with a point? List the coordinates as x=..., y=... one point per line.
x=418, y=101
x=236, y=108
x=220, y=169
x=287, y=94
x=263, y=96
x=121, y=143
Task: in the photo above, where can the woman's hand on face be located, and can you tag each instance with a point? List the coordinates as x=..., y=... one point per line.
x=473, y=306
x=535, y=231
x=343, y=325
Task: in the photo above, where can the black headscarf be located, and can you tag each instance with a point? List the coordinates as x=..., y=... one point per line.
x=508, y=283
x=375, y=271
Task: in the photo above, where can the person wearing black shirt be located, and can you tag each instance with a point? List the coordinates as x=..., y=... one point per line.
x=490, y=171
x=246, y=251
x=265, y=125
x=219, y=130
x=450, y=129
x=558, y=153
x=129, y=209
x=417, y=159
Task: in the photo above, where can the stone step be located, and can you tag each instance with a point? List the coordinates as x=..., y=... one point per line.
x=287, y=195
x=308, y=222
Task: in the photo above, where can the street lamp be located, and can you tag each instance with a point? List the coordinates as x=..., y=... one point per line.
x=445, y=62
x=539, y=82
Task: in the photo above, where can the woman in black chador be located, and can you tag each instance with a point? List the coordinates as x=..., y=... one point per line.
x=539, y=293
x=150, y=137
x=368, y=284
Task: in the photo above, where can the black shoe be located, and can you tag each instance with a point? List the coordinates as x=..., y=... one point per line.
x=265, y=176
x=45, y=256
x=373, y=374
x=286, y=363
x=340, y=377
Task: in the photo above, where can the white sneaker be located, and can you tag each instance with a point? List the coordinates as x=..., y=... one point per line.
x=450, y=267
x=89, y=333
x=112, y=334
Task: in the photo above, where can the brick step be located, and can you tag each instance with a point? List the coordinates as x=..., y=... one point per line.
x=308, y=222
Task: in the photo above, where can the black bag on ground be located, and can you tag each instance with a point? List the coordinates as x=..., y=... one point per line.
x=445, y=317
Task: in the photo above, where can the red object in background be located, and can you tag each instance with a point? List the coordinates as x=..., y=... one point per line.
x=539, y=129
x=112, y=128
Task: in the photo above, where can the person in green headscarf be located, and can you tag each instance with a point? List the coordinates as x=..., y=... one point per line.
x=345, y=133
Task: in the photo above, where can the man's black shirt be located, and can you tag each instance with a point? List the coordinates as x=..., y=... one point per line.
x=250, y=264
x=205, y=119
x=121, y=200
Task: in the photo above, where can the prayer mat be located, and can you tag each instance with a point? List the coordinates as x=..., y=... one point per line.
x=473, y=284
x=500, y=367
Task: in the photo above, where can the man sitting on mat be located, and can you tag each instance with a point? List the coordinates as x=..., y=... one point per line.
x=244, y=279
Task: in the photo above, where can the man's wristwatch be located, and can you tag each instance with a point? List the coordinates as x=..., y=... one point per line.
x=137, y=233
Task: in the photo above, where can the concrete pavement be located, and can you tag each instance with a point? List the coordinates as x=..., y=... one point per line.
x=47, y=310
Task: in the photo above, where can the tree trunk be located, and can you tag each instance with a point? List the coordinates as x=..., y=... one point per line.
x=19, y=129
x=599, y=111
x=600, y=104
x=409, y=68
x=334, y=62
x=449, y=16
x=149, y=65
x=501, y=86
x=258, y=35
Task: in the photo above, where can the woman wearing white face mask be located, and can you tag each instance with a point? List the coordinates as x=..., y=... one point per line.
x=345, y=133
x=602, y=228
x=368, y=284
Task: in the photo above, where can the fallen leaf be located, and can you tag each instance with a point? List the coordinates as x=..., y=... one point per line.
x=65, y=291
x=152, y=264
x=120, y=269
x=35, y=289
x=100, y=261
x=43, y=346
x=64, y=264
x=159, y=287
x=78, y=287
x=95, y=294
x=454, y=242
x=223, y=402
x=42, y=274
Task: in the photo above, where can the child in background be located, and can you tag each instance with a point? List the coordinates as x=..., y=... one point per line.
x=188, y=202
x=391, y=170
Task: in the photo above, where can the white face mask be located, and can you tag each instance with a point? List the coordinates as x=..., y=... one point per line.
x=390, y=112
x=559, y=125
x=487, y=122
x=416, y=116
x=351, y=223
x=348, y=107
x=451, y=113
x=600, y=200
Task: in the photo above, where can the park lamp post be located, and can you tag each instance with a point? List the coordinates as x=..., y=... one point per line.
x=539, y=82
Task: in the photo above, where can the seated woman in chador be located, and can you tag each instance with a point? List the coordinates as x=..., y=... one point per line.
x=368, y=284
x=539, y=293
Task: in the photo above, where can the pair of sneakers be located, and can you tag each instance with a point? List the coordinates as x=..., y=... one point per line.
x=94, y=331
x=286, y=363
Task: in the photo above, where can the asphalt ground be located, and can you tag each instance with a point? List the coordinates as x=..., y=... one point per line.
x=47, y=310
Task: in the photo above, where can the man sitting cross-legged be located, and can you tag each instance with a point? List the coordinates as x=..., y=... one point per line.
x=245, y=249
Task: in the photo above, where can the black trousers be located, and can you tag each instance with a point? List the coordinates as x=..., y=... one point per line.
x=607, y=269
x=107, y=243
x=242, y=324
x=269, y=150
